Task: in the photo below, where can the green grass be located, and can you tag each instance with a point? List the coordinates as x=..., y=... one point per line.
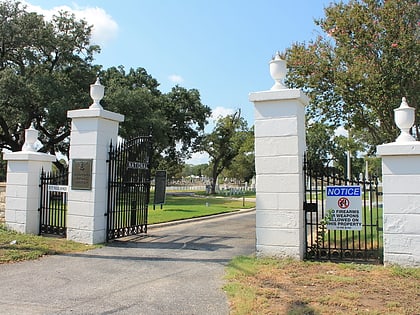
x=187, y=207
x=16, y=246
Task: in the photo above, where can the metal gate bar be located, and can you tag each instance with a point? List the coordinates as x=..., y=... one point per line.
x=53, y=203
x=128, y=187
x=341, y=245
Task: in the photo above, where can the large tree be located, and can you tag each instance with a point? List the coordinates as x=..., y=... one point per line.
x=175, y=119
x=223, y=144
x=243, y=165
x=357, y=71
x=45, y=70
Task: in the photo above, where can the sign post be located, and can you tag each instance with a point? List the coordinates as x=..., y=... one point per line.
x=344, y=206
x=160, y=188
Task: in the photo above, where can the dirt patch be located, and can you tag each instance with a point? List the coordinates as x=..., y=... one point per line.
x=293, y=287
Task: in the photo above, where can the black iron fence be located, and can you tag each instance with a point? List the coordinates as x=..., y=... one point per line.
x=128, y=187
x=53, y=202
x=340, y=232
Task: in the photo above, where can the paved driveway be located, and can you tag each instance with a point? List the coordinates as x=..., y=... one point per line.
x=176, y=269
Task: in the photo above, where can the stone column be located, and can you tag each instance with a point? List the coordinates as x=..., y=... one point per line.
x=22, y=189
x=92, y=131
x=279, y=151
x=401, y=193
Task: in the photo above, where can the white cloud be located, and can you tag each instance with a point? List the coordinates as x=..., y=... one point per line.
x=175, y=78
x=219, y=112
x=104, y=30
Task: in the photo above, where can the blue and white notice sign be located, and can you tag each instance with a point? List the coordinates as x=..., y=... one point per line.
x=344, y=203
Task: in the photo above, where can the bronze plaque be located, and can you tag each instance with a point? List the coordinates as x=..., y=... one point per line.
x=81, y=174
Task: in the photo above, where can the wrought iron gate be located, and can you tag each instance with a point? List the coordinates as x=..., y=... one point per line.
x=53, y=202
x=128, y=187
x=364, y=245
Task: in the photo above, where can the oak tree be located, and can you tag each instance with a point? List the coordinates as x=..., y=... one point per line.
x=359, y=68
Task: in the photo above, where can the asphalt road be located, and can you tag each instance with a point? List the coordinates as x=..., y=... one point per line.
x=175, y=269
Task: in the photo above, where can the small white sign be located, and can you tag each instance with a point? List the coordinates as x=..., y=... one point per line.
x=344, y=208
x=58, y=188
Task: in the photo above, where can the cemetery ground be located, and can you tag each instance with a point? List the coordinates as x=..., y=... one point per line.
x=266, y=286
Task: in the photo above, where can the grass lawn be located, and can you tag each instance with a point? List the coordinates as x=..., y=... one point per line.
x=17, y=247
x=276, y=286
x=180, y=207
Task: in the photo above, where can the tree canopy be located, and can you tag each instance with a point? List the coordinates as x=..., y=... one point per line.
x=224, y=144
x=45, y=70
x=358, y=70
x=176, y=119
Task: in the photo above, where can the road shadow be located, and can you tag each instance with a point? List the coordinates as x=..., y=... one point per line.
x=170, y=242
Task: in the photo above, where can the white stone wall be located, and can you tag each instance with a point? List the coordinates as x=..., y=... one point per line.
x=2, y=201
x=401, y=200
x=279, y=149
x=91, y=134
x=22, y=190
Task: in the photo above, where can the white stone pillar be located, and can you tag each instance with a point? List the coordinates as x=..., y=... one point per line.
x=279, y=151
x=401, y=194
x=92, y=131
x=22, y=189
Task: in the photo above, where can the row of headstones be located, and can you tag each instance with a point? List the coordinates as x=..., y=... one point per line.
x=279, y=149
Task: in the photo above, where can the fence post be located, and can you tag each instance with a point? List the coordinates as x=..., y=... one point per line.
x=279, y=150
x=22, y=188
x=92, y=129
x=401, y=193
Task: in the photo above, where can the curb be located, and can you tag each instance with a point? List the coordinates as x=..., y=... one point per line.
x=207, y=217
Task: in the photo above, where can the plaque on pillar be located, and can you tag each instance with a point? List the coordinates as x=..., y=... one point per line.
x=81, y=174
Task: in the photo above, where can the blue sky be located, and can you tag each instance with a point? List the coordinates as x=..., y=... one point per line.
x=220, y=47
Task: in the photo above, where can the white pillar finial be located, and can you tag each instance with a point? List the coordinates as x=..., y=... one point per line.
x=96, y=93
x=404, y=119
x=278, y=71
x=31, y=135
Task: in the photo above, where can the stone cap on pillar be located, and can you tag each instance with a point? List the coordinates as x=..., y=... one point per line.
x=285, y=94
x=399, y=148
x=29, y=156
x=95, y=113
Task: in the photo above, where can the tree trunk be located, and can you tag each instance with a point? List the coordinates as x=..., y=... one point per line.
x=214, y=174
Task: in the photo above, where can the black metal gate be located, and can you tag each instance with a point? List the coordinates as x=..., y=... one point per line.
x=326, y=243
x=128, y=187
x=53, y=202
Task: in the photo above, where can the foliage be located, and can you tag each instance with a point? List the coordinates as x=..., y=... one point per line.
x=327, y=152
x=45, y=70
x=223, y=144
x=176, y=119
x=358, y=70
x=243, y=165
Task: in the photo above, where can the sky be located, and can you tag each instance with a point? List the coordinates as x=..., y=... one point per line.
x=219, y=47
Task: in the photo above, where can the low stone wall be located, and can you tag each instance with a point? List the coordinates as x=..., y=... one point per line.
x=2, y=201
